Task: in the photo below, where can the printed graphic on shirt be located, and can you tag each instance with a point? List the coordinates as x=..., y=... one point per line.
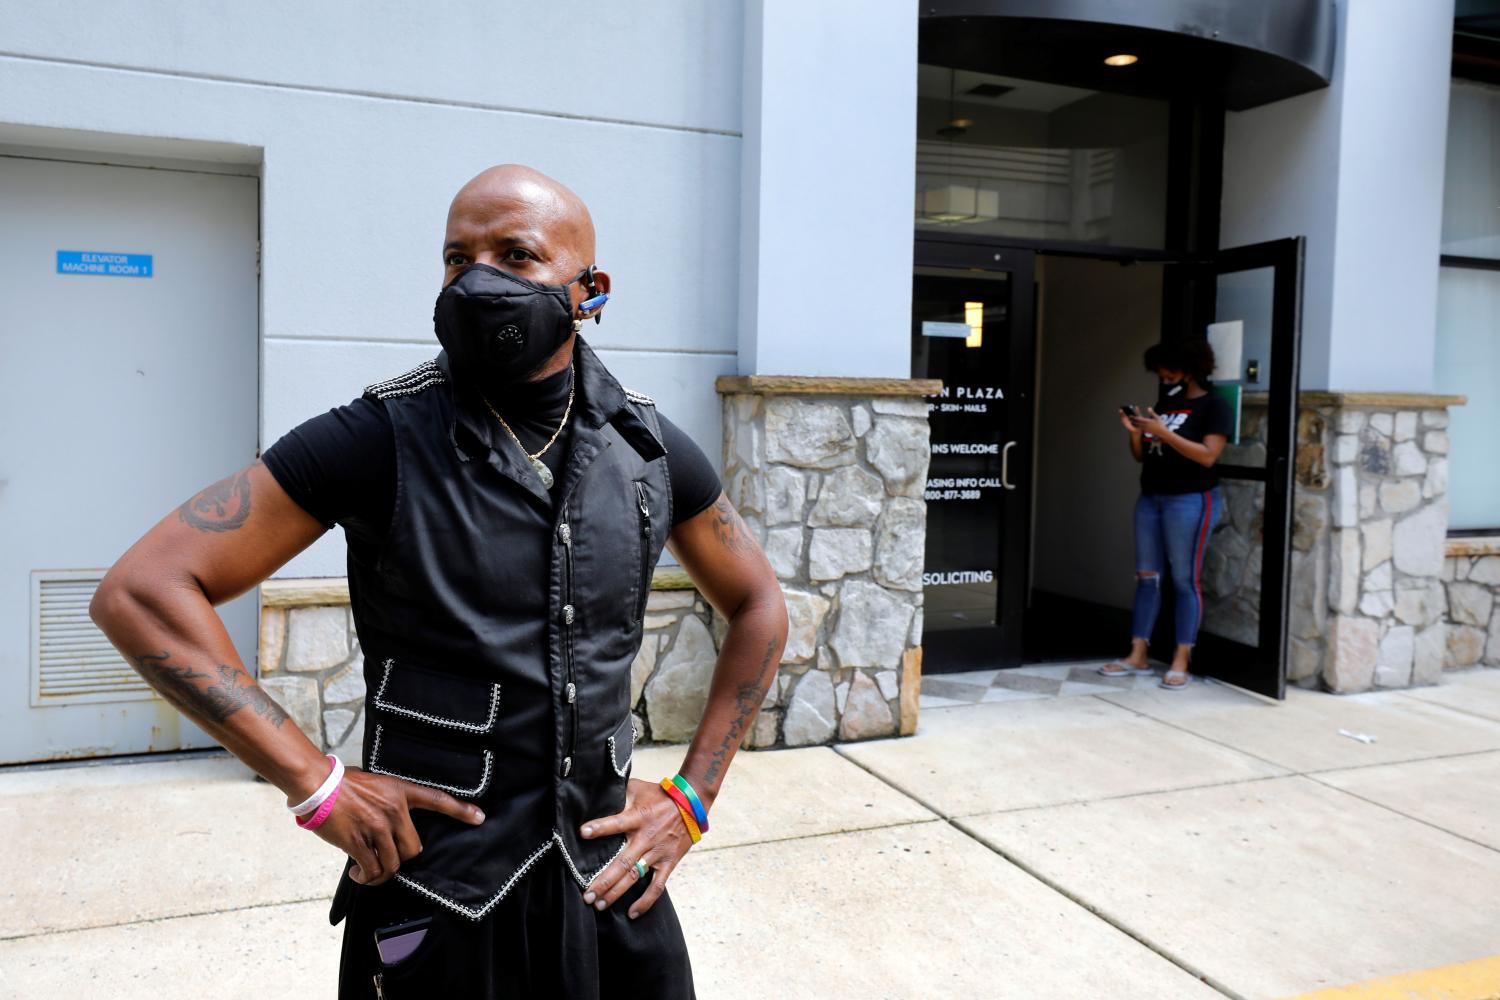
x=1172, y=421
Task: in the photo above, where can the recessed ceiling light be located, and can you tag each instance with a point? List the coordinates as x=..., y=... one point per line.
x=961, y=122
x=1123, y=59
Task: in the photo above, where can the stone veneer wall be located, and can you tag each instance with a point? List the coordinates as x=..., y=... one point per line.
x=1389, y=514
x=310, y=661
x=829, y=475
x=1471, y=578
x=1367, y=605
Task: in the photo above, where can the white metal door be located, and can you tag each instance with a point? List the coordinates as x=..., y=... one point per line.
x=129, y=319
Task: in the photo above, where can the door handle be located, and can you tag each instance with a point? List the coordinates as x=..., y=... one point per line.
x=1005, y=466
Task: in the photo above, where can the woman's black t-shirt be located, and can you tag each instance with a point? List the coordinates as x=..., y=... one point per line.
x=1166, y=470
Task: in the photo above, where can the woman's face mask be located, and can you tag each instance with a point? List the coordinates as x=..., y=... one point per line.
x=499, y=329
x=1172, y=387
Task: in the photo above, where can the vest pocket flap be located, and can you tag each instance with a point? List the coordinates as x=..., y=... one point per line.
x=622, y=746
x=405, y=755
x=468, y=704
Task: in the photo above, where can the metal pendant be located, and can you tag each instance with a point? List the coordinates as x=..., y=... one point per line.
x=542, y=471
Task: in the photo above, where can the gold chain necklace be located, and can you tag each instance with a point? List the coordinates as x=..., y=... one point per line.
x=536, y=460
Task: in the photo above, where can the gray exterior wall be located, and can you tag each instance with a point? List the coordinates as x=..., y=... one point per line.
x=363, y=121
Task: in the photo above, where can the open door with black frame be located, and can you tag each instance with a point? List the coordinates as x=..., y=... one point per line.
x=1250, y=297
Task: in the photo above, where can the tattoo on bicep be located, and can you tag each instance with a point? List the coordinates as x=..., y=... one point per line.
x=730, y=529
x=747, y=698
x=216, y=701
x=224, y=506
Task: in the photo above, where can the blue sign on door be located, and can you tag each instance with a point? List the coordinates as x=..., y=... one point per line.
x=120, y=265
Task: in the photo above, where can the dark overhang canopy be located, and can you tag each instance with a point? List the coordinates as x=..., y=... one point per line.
x=1249, y=52
x=1476, y=40
x=1480, y=18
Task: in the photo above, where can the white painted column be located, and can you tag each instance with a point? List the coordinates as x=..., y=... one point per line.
x=828, y=169
x=1358, y=170
x=1393, y=135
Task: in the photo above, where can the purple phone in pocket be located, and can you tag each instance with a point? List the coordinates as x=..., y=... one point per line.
x=398, y=941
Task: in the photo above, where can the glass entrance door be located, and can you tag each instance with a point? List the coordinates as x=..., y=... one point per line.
x=1249, y=304
x=972, y=327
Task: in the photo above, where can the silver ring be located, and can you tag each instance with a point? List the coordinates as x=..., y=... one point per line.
x=640, y=868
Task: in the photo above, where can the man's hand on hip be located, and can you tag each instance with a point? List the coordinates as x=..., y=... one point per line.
x=654, y=834
x=371, y=821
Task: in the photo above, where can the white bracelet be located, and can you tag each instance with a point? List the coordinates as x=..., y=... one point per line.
x=311, y=803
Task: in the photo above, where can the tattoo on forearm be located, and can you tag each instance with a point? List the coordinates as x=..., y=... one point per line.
x=216, y=701
x=224, y=506
x=730, y=529
x=747, y=698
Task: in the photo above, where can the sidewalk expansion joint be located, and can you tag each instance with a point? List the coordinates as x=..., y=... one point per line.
x=1056, y=886
x=164, y=917
x=935, y=818
x=1452, y=708
x=1395, y=763
x=1206, y=739
x=1123, y=795
x=1404, y=815
x=1316, y=770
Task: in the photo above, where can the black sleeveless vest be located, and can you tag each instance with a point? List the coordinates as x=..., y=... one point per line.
x=498, y=624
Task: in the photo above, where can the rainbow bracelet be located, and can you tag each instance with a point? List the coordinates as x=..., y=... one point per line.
x=680, y=800
x=699, y=813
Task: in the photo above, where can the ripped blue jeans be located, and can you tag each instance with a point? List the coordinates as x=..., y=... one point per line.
x=1172, y=530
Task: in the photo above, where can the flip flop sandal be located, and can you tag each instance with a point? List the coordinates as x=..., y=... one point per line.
x=1186, y=680
x=1129, y=671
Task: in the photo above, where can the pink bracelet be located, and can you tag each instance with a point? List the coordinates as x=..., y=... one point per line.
x=316, y=819
x=309, y=805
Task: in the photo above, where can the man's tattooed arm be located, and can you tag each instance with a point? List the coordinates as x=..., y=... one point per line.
x=224, y=506
x=730, y=529
x=747, y=698
x=218, y=699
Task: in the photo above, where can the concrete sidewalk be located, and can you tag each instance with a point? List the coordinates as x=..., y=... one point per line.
x=1127, y=844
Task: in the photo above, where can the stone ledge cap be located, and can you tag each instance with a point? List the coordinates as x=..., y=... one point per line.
x=825, y=385
x=305, y=593
x=1380, y=400
x=1473, y=545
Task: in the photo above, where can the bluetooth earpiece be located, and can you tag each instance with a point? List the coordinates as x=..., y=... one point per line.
x=590, y=304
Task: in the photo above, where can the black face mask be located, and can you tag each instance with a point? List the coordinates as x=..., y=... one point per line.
x=499, y=329
x=1169, y=389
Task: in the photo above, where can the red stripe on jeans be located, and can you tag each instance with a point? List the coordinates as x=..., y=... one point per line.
x=1208, y=513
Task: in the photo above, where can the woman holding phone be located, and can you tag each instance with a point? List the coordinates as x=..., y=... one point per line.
x=1177, y=443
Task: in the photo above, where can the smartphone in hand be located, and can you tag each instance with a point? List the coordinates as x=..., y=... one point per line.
x=1130, y=410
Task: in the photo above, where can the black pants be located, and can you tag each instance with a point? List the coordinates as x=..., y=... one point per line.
x=540, y=940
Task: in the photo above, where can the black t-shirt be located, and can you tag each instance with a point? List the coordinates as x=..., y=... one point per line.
x=340, y=466
x=1166, y=470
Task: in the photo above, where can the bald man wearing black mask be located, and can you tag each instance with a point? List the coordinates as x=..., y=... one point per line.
x=504, y=504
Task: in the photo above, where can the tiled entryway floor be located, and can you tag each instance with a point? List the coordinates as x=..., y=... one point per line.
x=1045, y=680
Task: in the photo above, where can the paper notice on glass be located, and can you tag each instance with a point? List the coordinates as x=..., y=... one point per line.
x=1228, y=341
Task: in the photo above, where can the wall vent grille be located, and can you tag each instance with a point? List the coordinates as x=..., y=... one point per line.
x=71, y=660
